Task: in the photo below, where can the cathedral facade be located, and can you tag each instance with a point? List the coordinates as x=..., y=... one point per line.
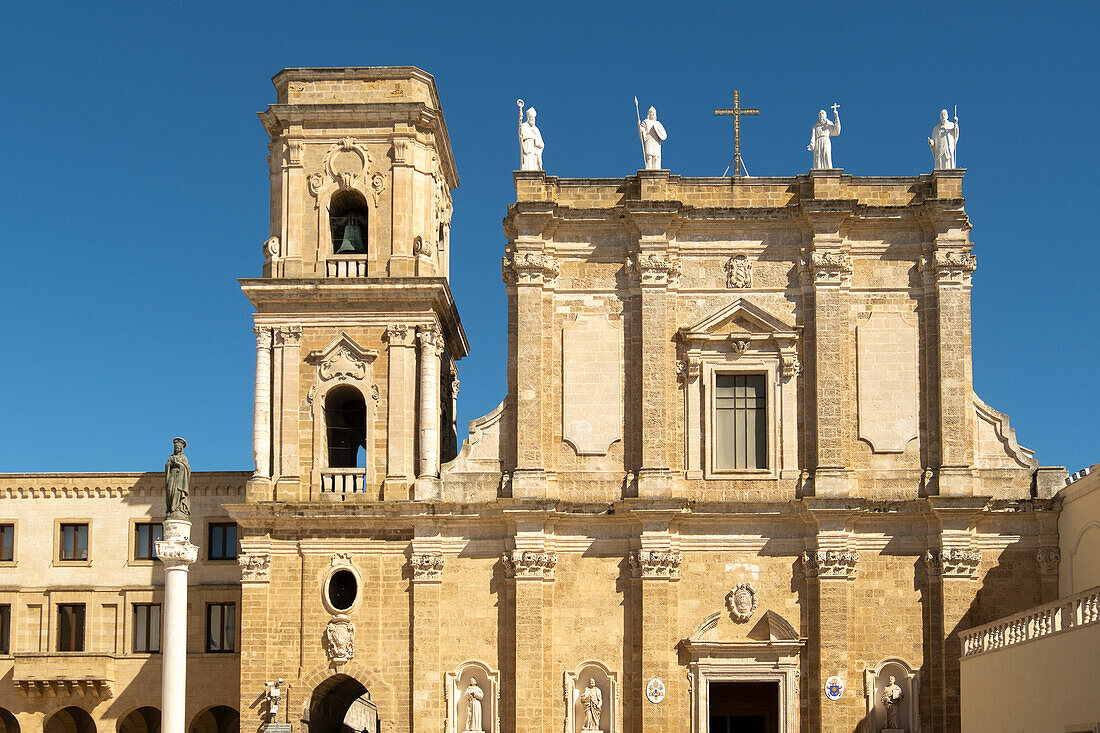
x=739, y=478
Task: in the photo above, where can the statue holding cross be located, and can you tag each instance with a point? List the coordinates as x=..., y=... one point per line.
x=819, y=138
x=736, y=112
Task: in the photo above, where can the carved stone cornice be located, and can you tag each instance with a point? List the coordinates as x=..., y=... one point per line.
x=648, y=564
x=255, y=567
x=1048, y=558
x=175, y=554
x=949, y=267
x=427, y=567
x=829, y=267
x=953, y=563
x=530, y=564
x=655, y=269
x=836, y=564
x=529, y=268
x=738, y=272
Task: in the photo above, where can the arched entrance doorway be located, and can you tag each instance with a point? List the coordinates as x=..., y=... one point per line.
x=218, y=719
x=70, y=720
x=142, y=720
x=8, y=723
x=341, y=704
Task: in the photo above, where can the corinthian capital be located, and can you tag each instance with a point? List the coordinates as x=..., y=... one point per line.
x=656, y=269
x=829, y=267
x=530, y=564
x=427, y=566
x=950, y=267
x=529, y=268
x=656, y=564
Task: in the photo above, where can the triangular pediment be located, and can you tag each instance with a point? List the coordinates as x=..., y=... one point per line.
x=342, y=359
x=739, y=317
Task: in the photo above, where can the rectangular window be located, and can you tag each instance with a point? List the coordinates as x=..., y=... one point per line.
x=70, y=627
x=740, y=434
x=221, y=626
x=5, y=629
x=223, y=541
x=74, y=542
x=146, y=628
x=146, y=536
x=7, y=542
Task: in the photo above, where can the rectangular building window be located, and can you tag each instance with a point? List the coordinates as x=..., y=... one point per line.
x=5, y=629
x=740, y=424
x=223, y=541
x=146, y=536
x=7, y=542
x=146, y=628
x=74, y=542
x=221, y=627
x=70, y=627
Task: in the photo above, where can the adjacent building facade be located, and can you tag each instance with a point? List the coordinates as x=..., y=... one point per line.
x=738, y=480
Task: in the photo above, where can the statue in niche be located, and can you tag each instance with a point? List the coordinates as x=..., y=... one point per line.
x=891, y=699
x=473, y=696
x=177, y=483
x=592, y=699
x=819, y=138
x=530, y=142
x=944, y=138
x=653, y=134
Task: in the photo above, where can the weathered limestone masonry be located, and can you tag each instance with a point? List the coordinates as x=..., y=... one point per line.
x=739, y=444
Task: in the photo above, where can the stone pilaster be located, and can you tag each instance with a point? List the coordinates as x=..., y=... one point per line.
x=288, y=342
x=401, y=408
x=293, y=192
x=256, y=627
x=402, y=260
x=827, y=279
x=261, y=411
x=656, y=567
x=531, y=567
x=427, y=563
x=431, y=349
x=177, y=554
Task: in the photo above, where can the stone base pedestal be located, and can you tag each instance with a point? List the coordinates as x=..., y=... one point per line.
x=276, y=728
x=893, y=730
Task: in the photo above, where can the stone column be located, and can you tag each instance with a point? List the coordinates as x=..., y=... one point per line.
x=431, y=349
x=655, y=568
x=177, y=553
x=261, y=411
x=827, y=277
x=535, y=699
x=427, y=678
x=400, y=412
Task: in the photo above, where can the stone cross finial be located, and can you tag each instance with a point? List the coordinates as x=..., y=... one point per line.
x=736, y=113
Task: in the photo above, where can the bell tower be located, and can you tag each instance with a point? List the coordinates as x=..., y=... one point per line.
x=357, y=334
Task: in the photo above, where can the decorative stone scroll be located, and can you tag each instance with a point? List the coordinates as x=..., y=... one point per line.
x=529, y=268
x=656, y=564
x=254, y=566
x=427, y=567
x=741, y=602
x=1048, y=558
x=953, y=563
x=341, y=165
x=791, y=366
x=738, y=272
x=339, y=640
x=530, y=564
x=655, y=269
x=949, y=268
x=830, y=563
x=829, y=267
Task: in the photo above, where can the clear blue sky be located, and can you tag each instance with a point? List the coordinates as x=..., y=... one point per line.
x=133, y=191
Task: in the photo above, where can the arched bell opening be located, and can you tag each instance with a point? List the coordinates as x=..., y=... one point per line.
x=347, y=216
x=341, y=704
x=346, y=427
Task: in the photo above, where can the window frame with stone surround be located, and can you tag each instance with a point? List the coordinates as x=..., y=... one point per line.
x=59, y=535
x=135, y=648
x=208, y=646
x=5, y=628
x=7, y=539
x=136, y=558
x=82, y=643
x=709, y=387
x=218, y=524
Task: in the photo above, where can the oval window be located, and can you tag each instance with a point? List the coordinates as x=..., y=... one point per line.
x=342, y=588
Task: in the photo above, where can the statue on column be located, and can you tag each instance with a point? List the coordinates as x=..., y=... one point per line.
x=177, y=483
x=592, y=699
x=473, y=696
x=891, y=698
x=530, y=141
x=653, y=134
x=944, y=138
x=819, y=139
x=273, y=693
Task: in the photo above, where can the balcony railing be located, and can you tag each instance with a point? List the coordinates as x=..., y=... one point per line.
x=343, y=481
x=346, y=266
x=1062, y=615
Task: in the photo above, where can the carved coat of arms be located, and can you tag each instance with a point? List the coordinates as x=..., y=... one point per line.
x=741, y=602
x=340, y=639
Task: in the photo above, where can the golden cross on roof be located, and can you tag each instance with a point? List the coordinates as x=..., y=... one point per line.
x=737, y=111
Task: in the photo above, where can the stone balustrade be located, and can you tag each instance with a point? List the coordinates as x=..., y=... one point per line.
x=347, y=266
x=1059, y=616
x=343, y=481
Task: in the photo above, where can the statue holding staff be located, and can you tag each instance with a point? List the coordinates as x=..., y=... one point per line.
x=177, y=483
x=819, y=139
x=530, y=141
x=944, y=138
x=653, y=134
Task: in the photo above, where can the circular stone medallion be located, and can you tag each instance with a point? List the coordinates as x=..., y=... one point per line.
x=834, y=688
x=655, y=690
